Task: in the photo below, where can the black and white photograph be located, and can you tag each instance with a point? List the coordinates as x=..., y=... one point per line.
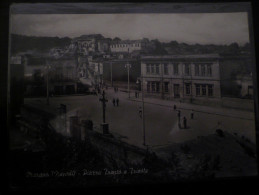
x=115, y=94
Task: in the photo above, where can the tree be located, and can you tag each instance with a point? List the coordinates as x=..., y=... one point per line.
x=116, y=39
x=159, y=47
x=233, y=48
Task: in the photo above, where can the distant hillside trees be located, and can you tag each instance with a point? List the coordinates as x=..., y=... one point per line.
x=175, y=48
x=21, y=43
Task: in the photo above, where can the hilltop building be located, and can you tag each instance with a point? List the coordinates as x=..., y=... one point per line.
x=127, y=46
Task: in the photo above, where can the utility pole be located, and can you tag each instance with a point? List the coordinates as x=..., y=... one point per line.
x=103, y=100
x=47, y=67
x=162, y=80
x=128, y=66
x=143, y=116
x=104, y=126
x=111, y=74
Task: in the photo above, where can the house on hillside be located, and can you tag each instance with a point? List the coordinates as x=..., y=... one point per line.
x=127, y=46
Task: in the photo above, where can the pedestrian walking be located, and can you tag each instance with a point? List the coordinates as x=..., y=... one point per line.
x=113, y=101
x=136, y=95
x=184, y=122
x=114, y=89
x=174, y=107
x=192, y=114
x=117, y=101
x=140, y=112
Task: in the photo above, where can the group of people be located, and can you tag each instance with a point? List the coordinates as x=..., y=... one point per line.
x=184, y=118
x=115, y=101
x=116, y=89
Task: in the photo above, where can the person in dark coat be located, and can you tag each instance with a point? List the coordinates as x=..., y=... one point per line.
x=192, y=114
x=140, y=112
x=174, y=107
x=117, y=101
x=113, y=101
x=184, y=122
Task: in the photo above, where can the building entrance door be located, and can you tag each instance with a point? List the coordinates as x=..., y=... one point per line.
x=176, y=90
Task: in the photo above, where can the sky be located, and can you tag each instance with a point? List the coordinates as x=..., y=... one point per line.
x=201, y=28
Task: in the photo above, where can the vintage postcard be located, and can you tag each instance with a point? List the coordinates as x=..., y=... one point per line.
x=114, y=93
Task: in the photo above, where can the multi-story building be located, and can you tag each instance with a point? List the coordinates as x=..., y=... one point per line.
x=63, y=75
x=87, y=44
x=190, y=77
x=127, y=46
x=245, y=83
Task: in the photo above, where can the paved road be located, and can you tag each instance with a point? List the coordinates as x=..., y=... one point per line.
x=161, y=122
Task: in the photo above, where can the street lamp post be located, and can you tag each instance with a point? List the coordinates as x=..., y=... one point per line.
x=47, y=67
x=111, y=74
x=143, y=116
x=128, y=66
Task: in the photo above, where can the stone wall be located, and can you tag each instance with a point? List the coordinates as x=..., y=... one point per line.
x=120, y=153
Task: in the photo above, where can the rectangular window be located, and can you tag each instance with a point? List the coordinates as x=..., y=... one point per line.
x=197, y=71
x=202, y=70
x=148, y=68
x=176, y=69
x=187, y=69
x=153, y=85
x=209, y=71
x=188, y=88
x=148, y=86
x=203, y=90
x=157, y=68
x=198, y=90
x=152, y=68
x=166, y=85
x=157, y=87
x=176, y=90
x=210, y=90
x=166, y=69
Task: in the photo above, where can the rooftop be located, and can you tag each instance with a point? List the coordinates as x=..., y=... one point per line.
x=127, y=41
x=181, y=56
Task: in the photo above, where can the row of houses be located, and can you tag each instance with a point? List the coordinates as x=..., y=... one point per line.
x=95, y=43
x=171, y=76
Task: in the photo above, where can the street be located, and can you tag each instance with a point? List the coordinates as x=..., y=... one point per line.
x=161, y=121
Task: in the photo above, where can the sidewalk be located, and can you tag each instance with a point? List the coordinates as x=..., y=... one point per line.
x=222, y=111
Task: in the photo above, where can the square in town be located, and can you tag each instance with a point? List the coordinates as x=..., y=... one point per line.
x=123, y=93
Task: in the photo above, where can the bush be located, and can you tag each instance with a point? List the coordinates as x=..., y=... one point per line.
x=185, y=148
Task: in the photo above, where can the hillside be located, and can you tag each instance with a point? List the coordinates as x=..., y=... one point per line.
x=21, y=43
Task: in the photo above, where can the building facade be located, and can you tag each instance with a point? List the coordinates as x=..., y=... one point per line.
x=245, y=83
x=190, y=77
x=88, y=44
x=127, y=46
x=63, y=76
